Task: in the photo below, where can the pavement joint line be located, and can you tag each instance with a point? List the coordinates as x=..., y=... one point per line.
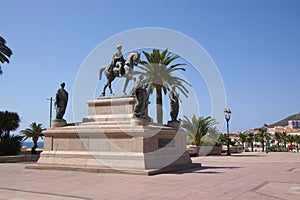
x=267, y=195
x=287, y=182
x=45, y=193
x=233, y=179
x=290, y=170
x=255, y=189
x=260, y=186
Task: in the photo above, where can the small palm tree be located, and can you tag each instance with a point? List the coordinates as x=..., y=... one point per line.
x=262, y=134
x=34, y=131
x=257, y=139
x=223, y=139
x=251, y=139
x=243, y=138
x=159, y=75
x=297, y=141
x=290, y=139
x=278, y=137
x=284, y=138
x=198, y=127
x=5, y=53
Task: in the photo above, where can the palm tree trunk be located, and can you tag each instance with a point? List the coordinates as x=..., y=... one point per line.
x=252, y=146
x=159, y=110
x=263, y=145
x=35, y=140
x=285, y=144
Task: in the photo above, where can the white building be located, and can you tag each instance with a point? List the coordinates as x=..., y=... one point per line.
x=294, y=123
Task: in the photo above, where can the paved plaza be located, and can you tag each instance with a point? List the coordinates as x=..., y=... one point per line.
x=252, y=175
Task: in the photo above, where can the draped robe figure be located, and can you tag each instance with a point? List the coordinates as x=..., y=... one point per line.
x=174, y=104
x=141, y=98
x=61, y=101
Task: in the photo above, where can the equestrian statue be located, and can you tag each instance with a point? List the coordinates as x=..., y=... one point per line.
x=119, y=67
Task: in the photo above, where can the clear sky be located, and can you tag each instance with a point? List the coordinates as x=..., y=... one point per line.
x=255, y=45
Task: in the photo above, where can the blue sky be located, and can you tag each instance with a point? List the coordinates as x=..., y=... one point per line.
x=255, y=45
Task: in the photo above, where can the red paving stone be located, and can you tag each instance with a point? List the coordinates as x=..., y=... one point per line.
x=252, y=175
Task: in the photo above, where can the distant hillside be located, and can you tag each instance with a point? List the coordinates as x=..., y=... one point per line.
x=284, y=122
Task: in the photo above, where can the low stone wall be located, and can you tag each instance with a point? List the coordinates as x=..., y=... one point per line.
x=19, y=158
x=204, y=150
x=27, y=151
x=236, y=149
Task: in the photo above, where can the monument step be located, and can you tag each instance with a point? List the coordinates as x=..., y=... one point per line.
x=108, y=117
x=104, y=123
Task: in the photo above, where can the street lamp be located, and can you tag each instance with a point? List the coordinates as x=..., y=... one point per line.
x=51, y=100
x=227, y=114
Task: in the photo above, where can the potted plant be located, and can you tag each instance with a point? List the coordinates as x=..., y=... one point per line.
x=197, y=127
x=210, y=143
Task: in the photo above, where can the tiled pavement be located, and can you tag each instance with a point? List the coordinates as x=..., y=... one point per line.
x=242, y=176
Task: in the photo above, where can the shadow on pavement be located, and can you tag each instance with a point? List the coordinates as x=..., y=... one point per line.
x=247, y=155
x=203, y=170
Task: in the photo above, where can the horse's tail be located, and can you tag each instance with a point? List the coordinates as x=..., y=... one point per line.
x=101, y=71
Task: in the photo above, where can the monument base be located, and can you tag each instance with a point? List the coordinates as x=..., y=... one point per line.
x=58, y=123
x=112, y=141
x=174, y=124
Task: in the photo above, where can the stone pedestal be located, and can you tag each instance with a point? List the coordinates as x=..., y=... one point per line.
x=110, y=140
x=58, y=123
x=174, y=124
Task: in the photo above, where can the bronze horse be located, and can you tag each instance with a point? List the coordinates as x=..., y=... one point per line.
x=126, y=71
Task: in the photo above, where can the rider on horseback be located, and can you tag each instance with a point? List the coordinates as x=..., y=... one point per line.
x=118, y=60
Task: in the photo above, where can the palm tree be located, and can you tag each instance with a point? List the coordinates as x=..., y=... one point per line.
x=34, y=131
x=250, y=139
x=9, y=121
x=278, y=137
x=243, y=138
x=198, y=127
x=297, y=140
x=290, y=139
x=223, y=139
x=284, y=138
x=159, y=75
x=257, y=139
x=5, y=53
x=262, y=134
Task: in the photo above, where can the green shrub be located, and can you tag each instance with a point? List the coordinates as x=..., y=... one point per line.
x=10, y=145
x=278, y=149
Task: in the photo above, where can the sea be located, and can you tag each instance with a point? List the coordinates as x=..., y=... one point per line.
x=29, y=144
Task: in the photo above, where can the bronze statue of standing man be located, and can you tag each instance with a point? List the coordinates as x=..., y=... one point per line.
x=174, y=103
x=61, y=101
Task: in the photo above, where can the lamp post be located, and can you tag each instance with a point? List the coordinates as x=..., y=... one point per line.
x=51, y=100
x=227, y=113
